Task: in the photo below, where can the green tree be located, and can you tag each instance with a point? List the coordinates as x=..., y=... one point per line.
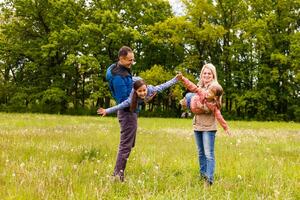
x=165, y=101
x=269, y=30
x=38, y=37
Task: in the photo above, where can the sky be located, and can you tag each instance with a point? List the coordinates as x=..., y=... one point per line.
x=177, y=7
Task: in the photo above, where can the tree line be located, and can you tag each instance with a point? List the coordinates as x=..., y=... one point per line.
x=54, y=53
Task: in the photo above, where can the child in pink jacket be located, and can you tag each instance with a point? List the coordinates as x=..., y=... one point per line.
x=200, y=101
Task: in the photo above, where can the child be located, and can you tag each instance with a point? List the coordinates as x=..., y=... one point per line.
x=204, y=102
x=140, y=93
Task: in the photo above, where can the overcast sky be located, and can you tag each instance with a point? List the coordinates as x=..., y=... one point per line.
x=177, y=7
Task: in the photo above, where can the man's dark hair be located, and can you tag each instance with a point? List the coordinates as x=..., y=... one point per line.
x=124, y=51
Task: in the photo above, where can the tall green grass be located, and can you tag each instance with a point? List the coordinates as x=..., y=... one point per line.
x=69, y=157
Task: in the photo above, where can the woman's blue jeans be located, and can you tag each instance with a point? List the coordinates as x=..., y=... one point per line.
x=206, y=153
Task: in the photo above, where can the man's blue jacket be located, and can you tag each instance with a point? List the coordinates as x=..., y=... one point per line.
x=120, y=82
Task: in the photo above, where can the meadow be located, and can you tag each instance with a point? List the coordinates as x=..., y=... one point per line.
x=72, y=157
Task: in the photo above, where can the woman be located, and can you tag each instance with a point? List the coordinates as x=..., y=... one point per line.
x=205, y=128
x=200, y=99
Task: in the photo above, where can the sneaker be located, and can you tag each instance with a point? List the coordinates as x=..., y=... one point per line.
x=208, y=183
x=203, y=177
x=116, y=178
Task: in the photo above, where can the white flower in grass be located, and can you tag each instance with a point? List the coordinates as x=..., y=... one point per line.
x=156, y=167
x=22, y=165
x=72, y=150
x=13, y=174
x=95, y=172
x=98, y=161
x=240, y=177
x=140, y=182
x=74, y=167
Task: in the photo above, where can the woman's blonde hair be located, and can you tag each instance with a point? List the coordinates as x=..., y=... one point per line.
x=212, y=68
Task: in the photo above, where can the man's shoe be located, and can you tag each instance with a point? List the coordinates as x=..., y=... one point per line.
x=121, y=177
x=117, y=177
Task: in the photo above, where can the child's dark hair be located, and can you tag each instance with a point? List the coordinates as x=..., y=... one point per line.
x=137, y=84
x=218, y=92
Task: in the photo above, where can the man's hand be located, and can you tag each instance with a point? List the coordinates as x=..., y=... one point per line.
x=101, y=111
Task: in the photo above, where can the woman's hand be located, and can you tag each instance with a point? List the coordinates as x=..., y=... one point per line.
x=101, y=111
x=179, y=76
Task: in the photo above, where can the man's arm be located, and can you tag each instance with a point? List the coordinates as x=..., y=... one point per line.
x=119, y=88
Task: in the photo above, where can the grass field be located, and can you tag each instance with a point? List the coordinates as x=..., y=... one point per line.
x=71, y=157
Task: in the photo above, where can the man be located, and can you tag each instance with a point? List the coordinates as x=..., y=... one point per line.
x=120, y=83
